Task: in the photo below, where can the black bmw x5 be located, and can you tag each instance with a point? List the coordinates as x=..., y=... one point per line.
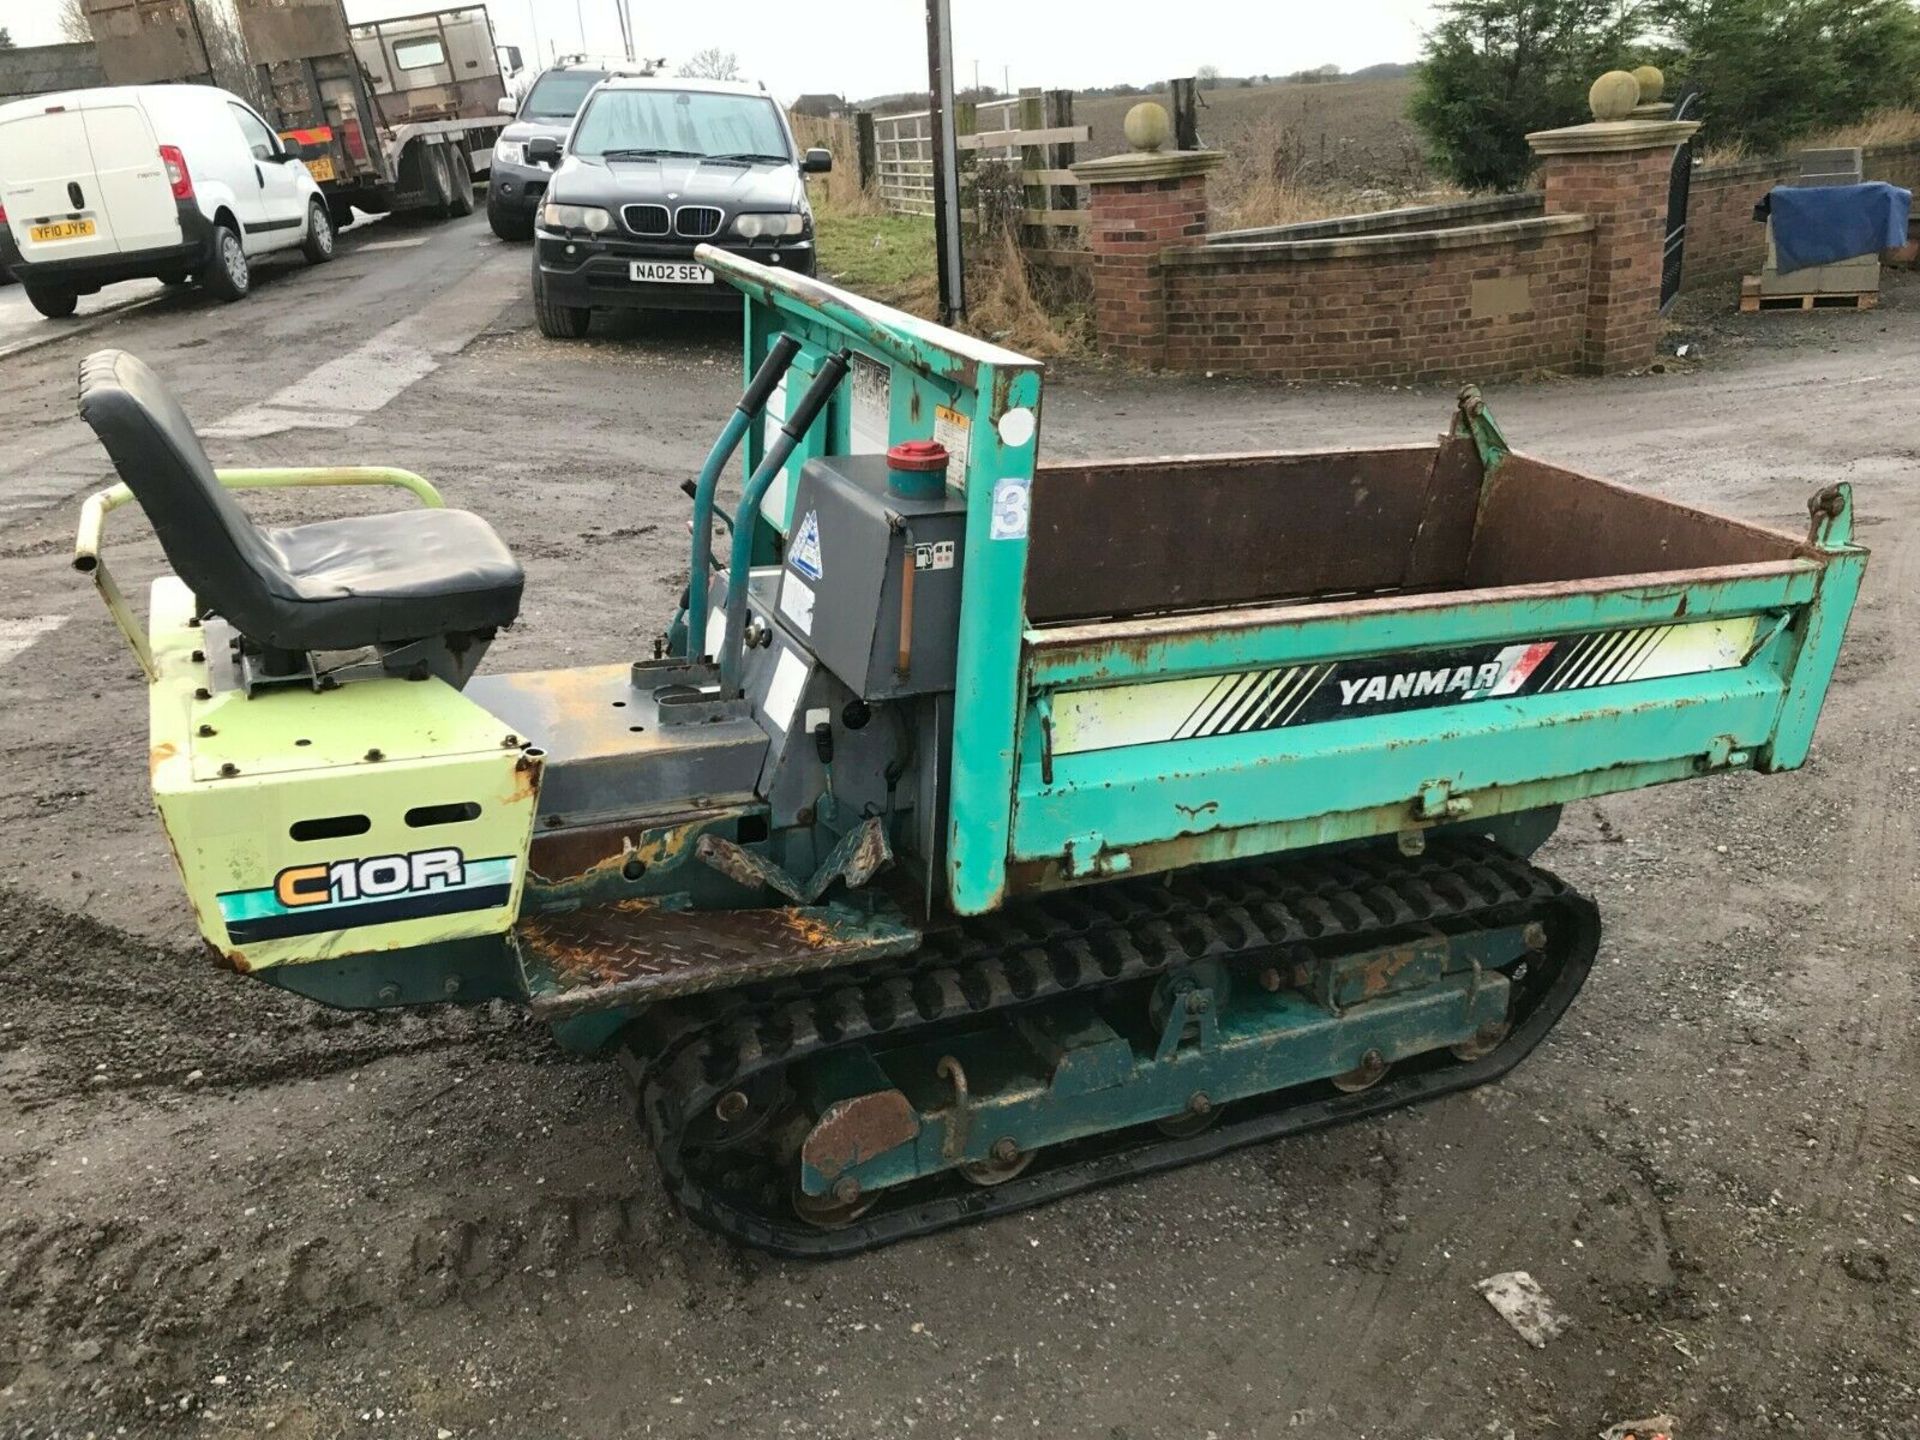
x=652, y=168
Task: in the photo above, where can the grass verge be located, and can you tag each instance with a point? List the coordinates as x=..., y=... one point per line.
x=889, y=258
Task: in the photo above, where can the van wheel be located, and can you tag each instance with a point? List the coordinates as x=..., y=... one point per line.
x=462, y=173
x=557, y=322
x=227, y=276
x=54, y=304
x=318, y=246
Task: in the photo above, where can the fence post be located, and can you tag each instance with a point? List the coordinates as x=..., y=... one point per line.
x=1032, y=113
x=1062, y=155
x=869, y=150
x=966, y=121
x=1186, y=113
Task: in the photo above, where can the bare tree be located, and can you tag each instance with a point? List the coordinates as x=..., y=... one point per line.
x=1208, y=76
x=74, y=25
x=712, y=63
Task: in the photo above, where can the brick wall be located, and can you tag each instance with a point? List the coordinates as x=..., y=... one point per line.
x=1135, y=222
x=1479, y=302
x=1724, y=241
x=1626, y=193
x=1896, y=164
x=1481, y=210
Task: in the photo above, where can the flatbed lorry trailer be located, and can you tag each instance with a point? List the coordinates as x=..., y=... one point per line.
x=389, y=115
x=980, y=829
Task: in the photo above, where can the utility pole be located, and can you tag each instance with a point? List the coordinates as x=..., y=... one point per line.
x=946, y=163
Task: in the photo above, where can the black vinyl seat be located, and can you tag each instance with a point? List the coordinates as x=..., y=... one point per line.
x=330, y=585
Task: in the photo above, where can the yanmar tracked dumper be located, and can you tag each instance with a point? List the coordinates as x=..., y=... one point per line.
x=980, y=830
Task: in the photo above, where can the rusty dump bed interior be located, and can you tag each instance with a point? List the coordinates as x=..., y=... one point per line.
x=1113, y=539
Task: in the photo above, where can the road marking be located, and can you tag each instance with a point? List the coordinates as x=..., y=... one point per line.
x=385, y=245
x=349, y=387
x=17, y=635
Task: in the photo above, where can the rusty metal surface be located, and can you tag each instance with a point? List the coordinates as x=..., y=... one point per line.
x=1541, y=523
x=1125, y=537
x=145, y=42
x=635, y=951
x=573, y=861
x=281, y=30
x=861, y=854
x=851, y=1132
x=1094, y=637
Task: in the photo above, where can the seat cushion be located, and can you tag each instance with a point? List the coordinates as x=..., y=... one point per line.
x=410, y=575
x=334, y=585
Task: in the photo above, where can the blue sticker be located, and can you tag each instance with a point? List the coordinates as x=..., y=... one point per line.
x=804, y=555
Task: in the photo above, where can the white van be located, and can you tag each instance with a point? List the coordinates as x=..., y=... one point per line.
x=174, y=182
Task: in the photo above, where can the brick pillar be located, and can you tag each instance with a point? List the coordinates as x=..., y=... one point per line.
x=1616, y=171
x=1140, y=204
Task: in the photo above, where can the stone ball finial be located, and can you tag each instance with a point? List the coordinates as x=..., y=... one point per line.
x=1652, y=83
x=1614, y=95
x=1147, y=126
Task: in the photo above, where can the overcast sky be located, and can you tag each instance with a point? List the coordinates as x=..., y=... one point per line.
x=867, y=47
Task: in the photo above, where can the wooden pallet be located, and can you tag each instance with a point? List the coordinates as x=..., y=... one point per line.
x=1752, y=300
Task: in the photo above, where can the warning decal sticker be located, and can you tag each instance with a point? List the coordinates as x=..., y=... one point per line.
x=804, y=554
x=1255, y=700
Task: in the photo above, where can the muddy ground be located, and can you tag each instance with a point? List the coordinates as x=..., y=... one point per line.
x=226, y=1212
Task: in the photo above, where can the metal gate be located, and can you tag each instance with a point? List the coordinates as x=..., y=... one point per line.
x=1679, y=185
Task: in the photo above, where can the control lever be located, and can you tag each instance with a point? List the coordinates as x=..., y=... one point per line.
x=832, y=371
x=759, y=390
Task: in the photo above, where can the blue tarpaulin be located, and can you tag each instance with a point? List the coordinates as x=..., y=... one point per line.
x=1822, y=224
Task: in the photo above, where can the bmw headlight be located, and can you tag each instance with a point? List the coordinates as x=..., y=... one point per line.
x=510, y=152
x=575, y=217
x=754, y=226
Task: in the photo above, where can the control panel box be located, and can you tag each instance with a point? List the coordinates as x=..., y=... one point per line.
x=871, y=578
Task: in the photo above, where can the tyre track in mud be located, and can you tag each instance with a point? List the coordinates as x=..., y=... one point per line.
x=94, y=1009
x=141, y=1307
x=131, y=1299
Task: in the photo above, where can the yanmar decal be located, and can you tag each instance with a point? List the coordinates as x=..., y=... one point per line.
x=376, y=890
x=1251, y=700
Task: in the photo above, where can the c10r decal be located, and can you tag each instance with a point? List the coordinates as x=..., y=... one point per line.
x=373, y=890
x=1248, y=701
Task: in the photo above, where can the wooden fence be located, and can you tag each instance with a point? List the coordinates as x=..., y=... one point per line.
x=1033, y=131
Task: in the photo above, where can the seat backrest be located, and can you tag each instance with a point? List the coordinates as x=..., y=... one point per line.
x=209, y=541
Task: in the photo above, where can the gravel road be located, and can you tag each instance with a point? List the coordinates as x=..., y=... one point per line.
x=225, y=1212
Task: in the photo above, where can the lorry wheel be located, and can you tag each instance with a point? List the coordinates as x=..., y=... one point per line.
x=508, y=224
x=175, y=279
x=54, y=304
x=461, y=203
x=318, y=246
x=557, y=322
x=439, y=181
x=227, y=276
x=340, y=212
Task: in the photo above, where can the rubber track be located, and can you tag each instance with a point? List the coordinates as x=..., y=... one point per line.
x=684, y=1055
